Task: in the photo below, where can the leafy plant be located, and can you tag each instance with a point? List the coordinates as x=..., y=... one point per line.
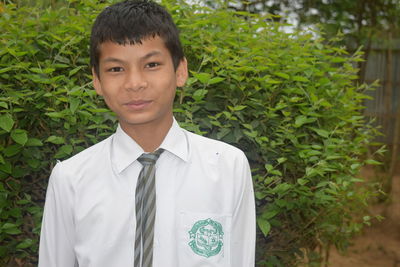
x=48, y=111
x=288, y=100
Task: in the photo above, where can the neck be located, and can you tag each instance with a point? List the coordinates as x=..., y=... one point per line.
x=148, y=136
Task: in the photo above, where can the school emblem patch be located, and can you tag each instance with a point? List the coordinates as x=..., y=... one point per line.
x=206, y=238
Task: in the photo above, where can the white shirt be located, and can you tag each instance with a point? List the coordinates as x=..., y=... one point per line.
x=205, y=205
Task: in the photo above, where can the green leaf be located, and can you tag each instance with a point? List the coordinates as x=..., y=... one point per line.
x=300, y=79
x=33, y=142
x=264, y=225
x=3, y=70
x=338, y=59
x=62, y=59
x=276, y=172
x=355, y=166
x=223, y=132
x=269, y=167
x=63, y=151
x=311, y=172
x=3, y=105
x=75, y=70
x=272, y=81
x=33, y=163
x=325, y=103
x=252, y=134
x=6, y=122
x=19, y=136
x=10, y=228
x=202, y=77
x=302, y=181
x=74, y=104
x=238, y=108
x=12, y=231
x=373, y=162
x=260, y=195
x=215, y=80
x=282, y=188
x=36, y=70
x=25, y=244
x=6, y=167
x=199, y=94
x=281, y=160
x=16, y=213
x=12, y=150
x=301, y=120
x=269, y=214
x=321, y=132
x=282, y=75
x=55, y=140
x=55, y=114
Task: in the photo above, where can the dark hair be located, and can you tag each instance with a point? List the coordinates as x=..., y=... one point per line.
x=131, y=21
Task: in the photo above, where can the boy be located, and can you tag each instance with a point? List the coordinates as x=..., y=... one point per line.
x=152, y=194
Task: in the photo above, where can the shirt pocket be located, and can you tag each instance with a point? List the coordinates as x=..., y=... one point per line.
x=204, y=239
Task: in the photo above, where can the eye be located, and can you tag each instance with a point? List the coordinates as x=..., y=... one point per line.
x=152, y=65
x=115, y=69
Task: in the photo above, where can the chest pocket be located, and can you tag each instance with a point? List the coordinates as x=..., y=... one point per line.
x=204, y=239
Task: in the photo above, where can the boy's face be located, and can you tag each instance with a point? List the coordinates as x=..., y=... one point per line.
x=138, y=82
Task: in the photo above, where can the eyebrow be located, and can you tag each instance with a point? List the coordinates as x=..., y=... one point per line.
x=151, y=54
x=117, y=60
x=112, y=59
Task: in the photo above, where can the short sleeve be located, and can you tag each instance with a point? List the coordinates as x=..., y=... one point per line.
x=243, y=235
x=56, y=247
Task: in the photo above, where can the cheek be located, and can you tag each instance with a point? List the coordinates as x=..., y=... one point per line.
x=110, y=97
x=110, y=88
x=170, y=94
x=166, y=88
x=108, y=101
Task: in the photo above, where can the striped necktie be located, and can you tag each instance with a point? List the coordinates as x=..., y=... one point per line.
x=145, y=205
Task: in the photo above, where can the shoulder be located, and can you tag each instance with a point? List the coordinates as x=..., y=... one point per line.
x=73, y=167
x=94, y=152
x=209, y=147
x=220, y=161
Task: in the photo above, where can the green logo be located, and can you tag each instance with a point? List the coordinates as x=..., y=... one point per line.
x=206, y=238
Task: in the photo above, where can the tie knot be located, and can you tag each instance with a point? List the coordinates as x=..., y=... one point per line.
x=150, y=158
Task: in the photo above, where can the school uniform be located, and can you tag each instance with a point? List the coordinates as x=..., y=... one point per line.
x=205, y=212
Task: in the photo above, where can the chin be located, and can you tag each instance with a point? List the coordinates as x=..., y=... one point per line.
x=146, y=118
x=140, y=120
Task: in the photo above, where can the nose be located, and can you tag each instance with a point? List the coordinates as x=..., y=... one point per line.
x=135, y=81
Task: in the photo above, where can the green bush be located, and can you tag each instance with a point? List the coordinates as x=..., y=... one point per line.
x=288, y=100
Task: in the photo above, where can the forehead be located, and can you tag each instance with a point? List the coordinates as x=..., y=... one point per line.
x=151, y=46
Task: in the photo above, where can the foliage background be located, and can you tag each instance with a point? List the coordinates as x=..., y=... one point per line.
x=290, y=101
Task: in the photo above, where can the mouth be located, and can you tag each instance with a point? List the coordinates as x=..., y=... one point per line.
x=137, y=104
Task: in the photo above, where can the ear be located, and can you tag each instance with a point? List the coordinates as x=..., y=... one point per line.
x=96, y=83
x=181, y=73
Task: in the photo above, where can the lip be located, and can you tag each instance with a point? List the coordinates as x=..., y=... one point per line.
x=137, y=104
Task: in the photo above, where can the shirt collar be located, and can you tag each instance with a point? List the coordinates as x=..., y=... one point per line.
x=125, y=150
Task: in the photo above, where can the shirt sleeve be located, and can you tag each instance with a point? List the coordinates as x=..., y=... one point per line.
x=57, y=233
x=243, y=233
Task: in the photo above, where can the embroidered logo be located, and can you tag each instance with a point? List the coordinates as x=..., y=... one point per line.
x=206, y=238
